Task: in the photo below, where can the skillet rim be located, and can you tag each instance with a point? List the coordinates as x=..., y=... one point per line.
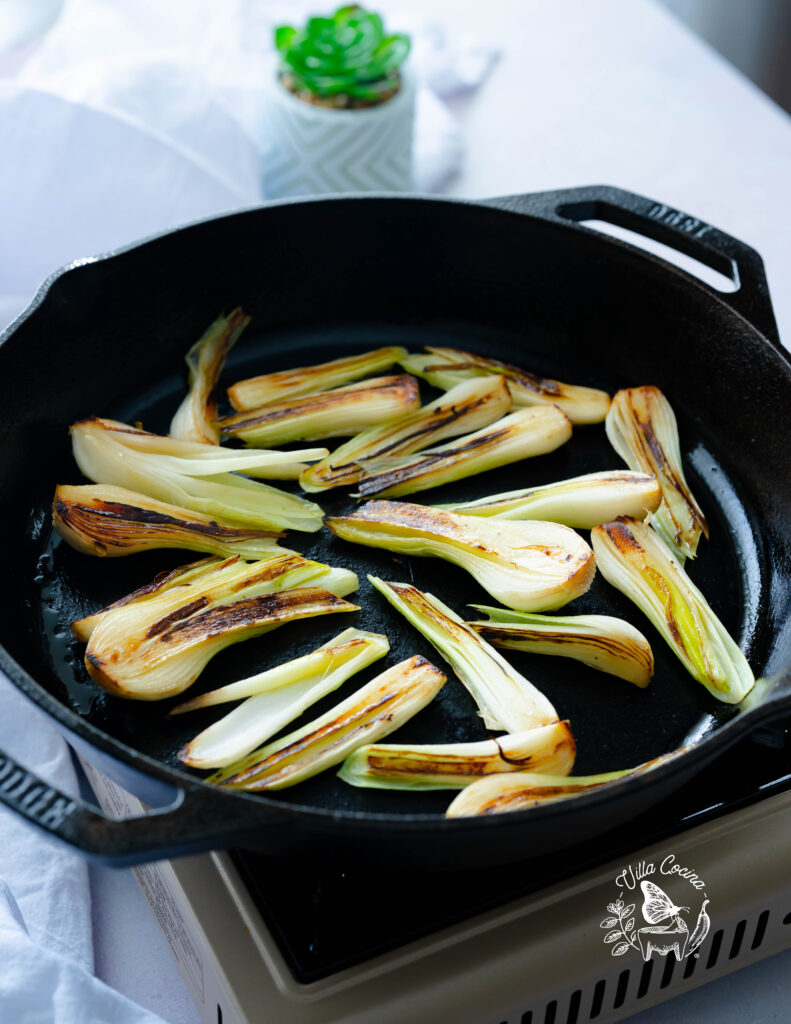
x=185, y=785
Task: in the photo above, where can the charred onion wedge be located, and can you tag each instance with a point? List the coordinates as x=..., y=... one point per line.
x=549, y=748
x=516, y=791
x=581, y=502
x=335, y=654
x=152, y=666
x=82, y=629
x=308, y=380
x=633, y=558
x=446, y=367
x=195, y=419
x=276, y=697
x=601, y=641
x=642, y=428
x=337, y=413
x=107, y=521
x=157, y=643
x=201, y=478
x=505, y=698
x=376, y=709
x=521, y=435
x=530, y=565
x=466, y=407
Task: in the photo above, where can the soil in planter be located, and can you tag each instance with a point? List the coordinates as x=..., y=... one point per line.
x=341, y=100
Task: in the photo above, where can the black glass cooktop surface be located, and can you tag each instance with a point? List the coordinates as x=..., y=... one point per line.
x=325, y=919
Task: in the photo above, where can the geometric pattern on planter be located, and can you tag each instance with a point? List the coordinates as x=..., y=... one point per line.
x=311, y=150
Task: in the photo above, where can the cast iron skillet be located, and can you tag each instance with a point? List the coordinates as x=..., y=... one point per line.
x=516, y=278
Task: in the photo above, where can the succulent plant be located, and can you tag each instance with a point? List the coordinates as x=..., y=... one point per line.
x=342, y=60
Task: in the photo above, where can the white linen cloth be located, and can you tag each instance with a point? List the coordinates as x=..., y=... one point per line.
x=46, y=946
x=40, y=986
x=133, y=116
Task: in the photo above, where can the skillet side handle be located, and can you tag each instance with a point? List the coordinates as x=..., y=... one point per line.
x=679, y=230
x=197, y=821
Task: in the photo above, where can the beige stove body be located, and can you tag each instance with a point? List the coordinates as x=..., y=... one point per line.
x=537, y=960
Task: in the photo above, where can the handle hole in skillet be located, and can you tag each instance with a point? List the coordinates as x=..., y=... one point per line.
x=714, y=269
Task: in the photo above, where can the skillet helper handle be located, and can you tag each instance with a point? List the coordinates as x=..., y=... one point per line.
x=679, y=230
x=197, y=821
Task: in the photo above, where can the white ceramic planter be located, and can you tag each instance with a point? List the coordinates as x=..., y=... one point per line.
x=308, y=150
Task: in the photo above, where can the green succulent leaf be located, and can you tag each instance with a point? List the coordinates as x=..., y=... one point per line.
x=347, y=52
x=318, y=27
x=284, y=36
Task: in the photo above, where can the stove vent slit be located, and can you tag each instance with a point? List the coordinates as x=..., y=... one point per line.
x=574, y=1006
x=620, y=992
x=667, y=973
x=551, y=1012
x=527, y=1017
x=690, y=965
x=738, y=938
x=645, y=978
x=714, y=952
x=760, y=929
x=598, y=998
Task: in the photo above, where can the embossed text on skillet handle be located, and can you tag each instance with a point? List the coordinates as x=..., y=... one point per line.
x=671, y=226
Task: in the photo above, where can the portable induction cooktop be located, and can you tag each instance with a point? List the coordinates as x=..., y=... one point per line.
x=686, y=892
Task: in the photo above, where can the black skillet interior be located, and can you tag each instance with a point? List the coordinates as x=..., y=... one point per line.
x=329, y=278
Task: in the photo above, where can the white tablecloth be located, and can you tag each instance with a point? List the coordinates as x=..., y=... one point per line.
x=586, y=91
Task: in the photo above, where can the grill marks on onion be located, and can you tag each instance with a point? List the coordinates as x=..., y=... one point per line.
x=642, y=428
x=469, y=406
x=444, y=367
x=108, y=521
x=373, y=711
x=307, y=380
x=603, y=642
x=548, y=748
x=530, y=565
x=340, y=412
x=156, y=643
x=637, y=561
x=523, y=434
